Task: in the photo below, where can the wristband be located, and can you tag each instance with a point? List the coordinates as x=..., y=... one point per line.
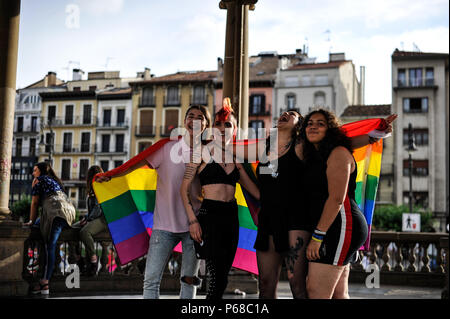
x=314, y=237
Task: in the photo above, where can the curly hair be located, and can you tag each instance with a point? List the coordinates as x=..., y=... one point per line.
x=334, y=137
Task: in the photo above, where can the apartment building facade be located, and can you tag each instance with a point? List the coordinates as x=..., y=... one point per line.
x=159, y=104
x=386, y=188
x=420, y=95
x=26, y=136
x=303, y=84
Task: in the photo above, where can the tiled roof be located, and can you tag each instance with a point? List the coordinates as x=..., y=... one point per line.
x=194, y=76
x=326, y=65
x=400, y=55
x=367, y=110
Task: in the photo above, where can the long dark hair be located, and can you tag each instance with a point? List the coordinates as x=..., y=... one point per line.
x=334, y=137
x=295, y=133
x=92, y=171
x=202, y=109
x=46, y=169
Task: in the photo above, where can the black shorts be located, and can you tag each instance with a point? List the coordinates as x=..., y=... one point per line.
x=345, y=236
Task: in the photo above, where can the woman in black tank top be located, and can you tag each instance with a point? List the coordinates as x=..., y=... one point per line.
x=340, y=227
x=216, y=228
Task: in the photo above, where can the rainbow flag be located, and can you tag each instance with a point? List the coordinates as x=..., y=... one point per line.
x=128, y=201
x=368, y=160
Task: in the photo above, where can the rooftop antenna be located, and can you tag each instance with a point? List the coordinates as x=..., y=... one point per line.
x=402, y=45
x=69, y=68
x=107, y=62
x=328, y=32
x=416, y=48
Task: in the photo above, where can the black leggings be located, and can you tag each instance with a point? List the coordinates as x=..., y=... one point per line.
x=220, y=233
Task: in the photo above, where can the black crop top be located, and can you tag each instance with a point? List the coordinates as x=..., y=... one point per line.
x=213, y=173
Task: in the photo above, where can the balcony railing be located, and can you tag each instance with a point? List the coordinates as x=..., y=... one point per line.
x=262, y=112
x=416, y=83
x=69, y=121
x=145, y=130
x=147, y=102
x=414, y=259
x=173, y=101
x=116, y=125
x=26, y=129
x=24, y=152
x=111, y=148
x=198, y=100
x=69, y=148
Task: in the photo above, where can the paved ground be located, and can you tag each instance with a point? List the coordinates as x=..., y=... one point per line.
x=356, y=291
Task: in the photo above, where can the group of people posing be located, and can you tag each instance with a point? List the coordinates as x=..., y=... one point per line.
x=308, y=216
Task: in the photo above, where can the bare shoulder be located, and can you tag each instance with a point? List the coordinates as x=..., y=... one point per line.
x=340, y=155
x=299, y=149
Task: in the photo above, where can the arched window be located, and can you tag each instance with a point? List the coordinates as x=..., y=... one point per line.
x=319, y=99
x=290, y=101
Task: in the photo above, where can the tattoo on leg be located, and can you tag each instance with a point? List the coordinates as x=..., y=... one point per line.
x=292, y=255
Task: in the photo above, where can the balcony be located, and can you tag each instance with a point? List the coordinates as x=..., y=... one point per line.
x=60, y=149
x=24, y=152
x=28, y=130
x=417, y=83
x=147, y=102
x=69, y=121
x=145, y=131
x=262, y=111
x=102, y=125
x=172, y=101
x=111, y=149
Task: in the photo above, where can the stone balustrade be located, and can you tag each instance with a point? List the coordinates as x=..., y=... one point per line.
x=415, y=259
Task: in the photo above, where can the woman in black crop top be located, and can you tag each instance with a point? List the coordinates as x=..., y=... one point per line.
x=216, y=228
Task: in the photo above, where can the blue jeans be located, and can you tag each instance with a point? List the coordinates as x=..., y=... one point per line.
x=58, y=225
x=161, y=246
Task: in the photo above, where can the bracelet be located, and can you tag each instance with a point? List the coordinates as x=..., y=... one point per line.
x=319, y=232
x=195, y=221
x=316, y=239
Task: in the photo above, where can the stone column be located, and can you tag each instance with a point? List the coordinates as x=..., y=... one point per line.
x=9, y=36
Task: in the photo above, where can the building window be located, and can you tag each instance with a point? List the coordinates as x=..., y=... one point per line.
x=415, y=77
x=32, y=147
x=290, y=101
x=419, y=198
x=257, y=104
x=34, y=124
x=420, y=136
x=119, y=142
x=104, y=165
x=65, y=169
x=415, y=105
x=172, y=96
x=87, y=114
x=67, y=142
x=419, y=167
x=319, y=98
x=401, y=77
x=51, y=113
x=429, y=76
x=321, y=80
x=69, y=115
x=84, y=166
x=92, y=88
x=199, y=95
x=18, y=147
x=106, y=117
x=105, y=143
x=117, y=163
x=306, y=80
x=142, y=146
x=255, y=127
x=121, y=117
x=85, y=140
x=171, y=121
x=147, y=96
x=291, y=81
x=146, y=123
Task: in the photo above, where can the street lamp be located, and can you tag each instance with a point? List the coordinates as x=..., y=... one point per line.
x=411, y=148
x=49, y=144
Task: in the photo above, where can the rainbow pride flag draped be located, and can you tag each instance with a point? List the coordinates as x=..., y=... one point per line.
x=128, y=201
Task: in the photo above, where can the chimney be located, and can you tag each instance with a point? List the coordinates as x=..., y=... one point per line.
x=220, y=66
x=336, y=57
x=147, y=75
x=77, y=75
x=50, y=79
x=362, y=80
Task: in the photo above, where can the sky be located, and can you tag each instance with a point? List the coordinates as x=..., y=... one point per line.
x=178, y=35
